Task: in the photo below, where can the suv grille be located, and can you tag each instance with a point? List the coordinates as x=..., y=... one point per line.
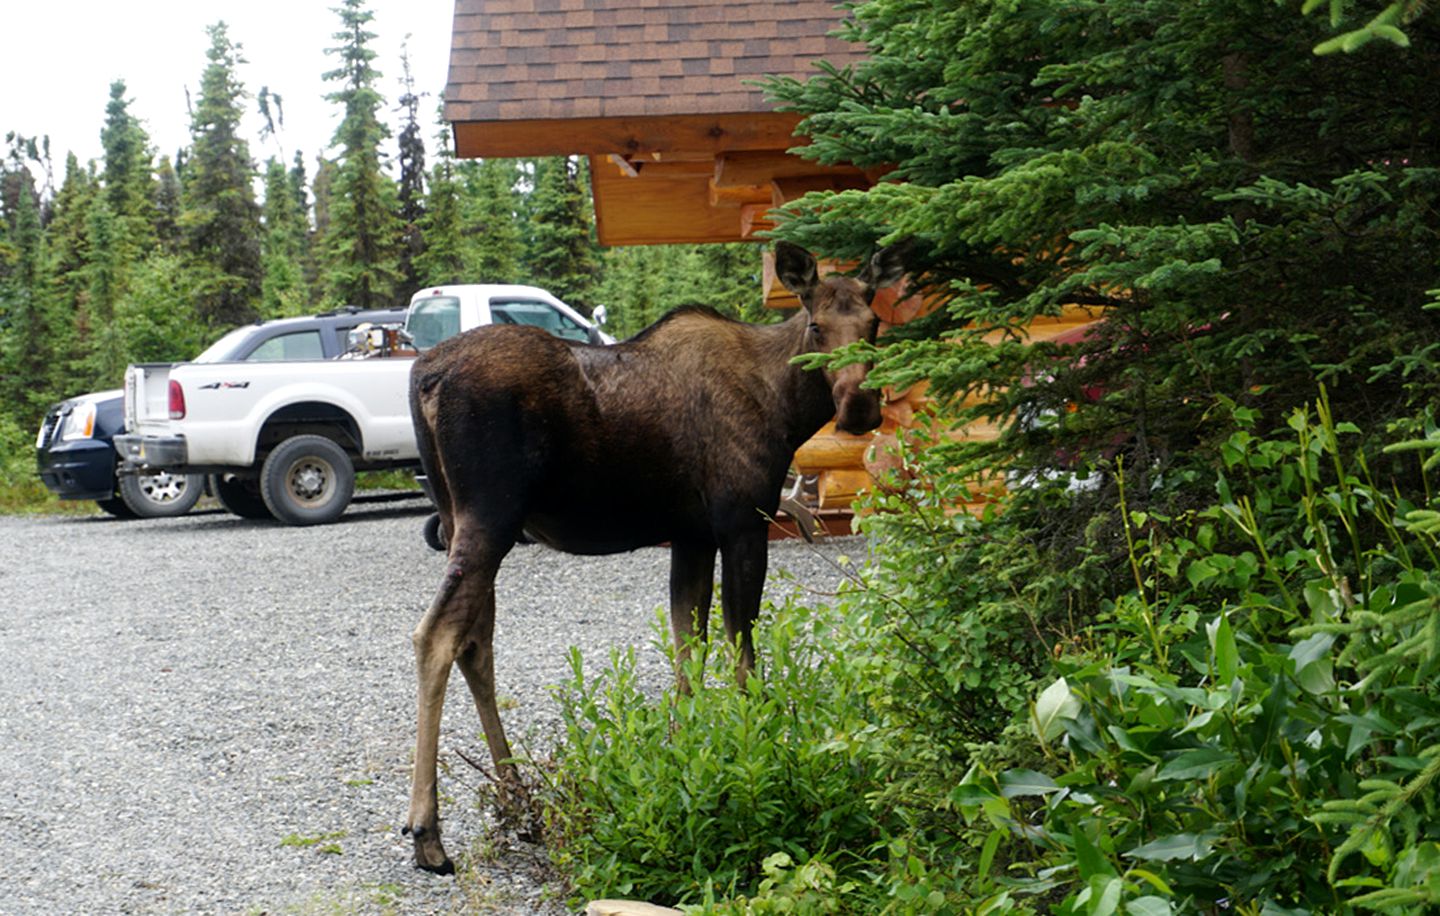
x=49, y=426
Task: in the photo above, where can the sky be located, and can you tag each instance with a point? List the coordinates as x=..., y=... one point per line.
x=61, y=56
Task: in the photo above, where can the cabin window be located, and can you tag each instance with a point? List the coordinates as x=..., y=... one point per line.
x=541, y=315
x=433, y=320
x=300, y=345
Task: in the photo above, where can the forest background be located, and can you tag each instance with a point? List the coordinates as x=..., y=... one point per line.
x=149, y=255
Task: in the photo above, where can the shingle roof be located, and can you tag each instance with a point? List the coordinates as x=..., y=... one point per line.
x=564, y=59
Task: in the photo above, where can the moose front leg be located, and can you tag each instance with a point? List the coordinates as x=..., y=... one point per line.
x=477, y=663
x=743, y=560
x=692, y=588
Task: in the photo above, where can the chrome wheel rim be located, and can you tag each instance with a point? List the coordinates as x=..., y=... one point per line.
x=163, y=488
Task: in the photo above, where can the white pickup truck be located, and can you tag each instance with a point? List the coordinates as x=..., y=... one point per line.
x=284, y=440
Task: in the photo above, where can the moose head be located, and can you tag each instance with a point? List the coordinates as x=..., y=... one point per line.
x=838, y=308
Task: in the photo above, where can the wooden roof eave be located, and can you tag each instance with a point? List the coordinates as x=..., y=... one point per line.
x=627, y=136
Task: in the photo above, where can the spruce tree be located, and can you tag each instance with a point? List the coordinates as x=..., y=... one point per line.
x=68, y=247
x=489, y=209
x=282, y=249
x=322, y=190
x=412, y=180
x=363, y=237
x=30, y=364
x=129, y=185
x=101, y=359
x=1248, y=212
x=167, y=206
x=221, y=220
x=561, y=251
x=443, y=257
x=299, y=185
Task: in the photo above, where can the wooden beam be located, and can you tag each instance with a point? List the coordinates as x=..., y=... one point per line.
x=658, y=209
x=749, y=167
x=739, y=195
x=787, y=189
x=628, y=137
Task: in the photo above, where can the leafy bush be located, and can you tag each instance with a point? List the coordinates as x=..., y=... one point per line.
x=692, y=795
x=20, y=487
x=1255, y=726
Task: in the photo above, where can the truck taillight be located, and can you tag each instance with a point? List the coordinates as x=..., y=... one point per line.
x=177, y=401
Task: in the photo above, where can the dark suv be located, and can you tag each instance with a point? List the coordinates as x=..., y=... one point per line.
x=74, y=451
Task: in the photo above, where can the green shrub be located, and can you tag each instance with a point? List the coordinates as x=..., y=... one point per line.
x=1256, y=727
x=691, y=796
x=20, y=486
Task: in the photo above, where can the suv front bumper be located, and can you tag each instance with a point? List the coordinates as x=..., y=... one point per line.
x=84, y=469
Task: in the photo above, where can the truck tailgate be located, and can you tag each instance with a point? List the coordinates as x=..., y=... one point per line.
x=147, y=394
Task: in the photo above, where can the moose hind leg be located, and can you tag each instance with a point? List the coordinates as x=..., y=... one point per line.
x=466, y=593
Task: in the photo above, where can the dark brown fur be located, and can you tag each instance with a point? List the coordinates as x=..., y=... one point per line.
x=682, y=434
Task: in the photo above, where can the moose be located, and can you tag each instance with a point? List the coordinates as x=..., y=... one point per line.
x=683, y=433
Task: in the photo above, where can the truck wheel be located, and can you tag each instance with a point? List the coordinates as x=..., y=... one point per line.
x=162, y=495
x=307, y=480
x=240, y=496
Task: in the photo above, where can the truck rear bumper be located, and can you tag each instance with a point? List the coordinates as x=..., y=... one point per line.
x=137, y=452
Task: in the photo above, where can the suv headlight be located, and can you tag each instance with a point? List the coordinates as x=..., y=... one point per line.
x=80, y=424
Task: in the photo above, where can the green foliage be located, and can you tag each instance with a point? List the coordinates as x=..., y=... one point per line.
x=32, y=345
x=220, y=221
x=560, y=249
x=283, y=249
x=493, y=246
x=695, y=795
x=20, y=487
x=1383, y=25
x=363, y=232
x=410, y=198
x=788, y=888
x=1268, y=739
x=157, y=321
x=640, y=284
x=127, y=174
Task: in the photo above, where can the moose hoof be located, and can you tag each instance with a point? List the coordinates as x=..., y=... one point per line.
x=444, y=868
x=429, y=854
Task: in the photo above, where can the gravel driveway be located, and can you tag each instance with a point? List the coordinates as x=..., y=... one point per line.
x=211, y=715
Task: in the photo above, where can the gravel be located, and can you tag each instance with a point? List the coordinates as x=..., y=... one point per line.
x=213, y=715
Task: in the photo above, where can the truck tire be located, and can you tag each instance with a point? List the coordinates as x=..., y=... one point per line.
x=240, y=496
x=161, y=495
x=307, y=480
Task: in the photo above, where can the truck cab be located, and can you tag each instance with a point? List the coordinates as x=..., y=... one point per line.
x=438, y=312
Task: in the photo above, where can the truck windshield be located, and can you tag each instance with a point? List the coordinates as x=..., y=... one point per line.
x=433, y=320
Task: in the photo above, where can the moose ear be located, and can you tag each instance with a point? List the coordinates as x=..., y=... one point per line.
x=796, y=269
x=886, y=267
